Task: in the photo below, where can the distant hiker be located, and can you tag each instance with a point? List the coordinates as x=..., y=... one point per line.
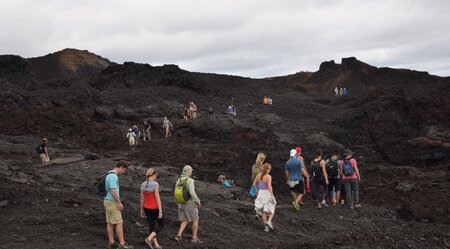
x=232, y=110
x=131, y=138
x=294, y=171
x=319, y=179
x=43, y=151
x=341, y=91
x=211, y=110
x=265, y=101
x=147, y=128
x=269, y=101
x=167, y=125
x=151, y=207
x=113, y=206
x=344, y=91
x=137, y=132
x=265, y=201
x=256, y=169
x=334, y=178
x=192, y=110
x=350, y=176
x=188, y=211
x=336, y=91
x=186, y=115
x=224, y=182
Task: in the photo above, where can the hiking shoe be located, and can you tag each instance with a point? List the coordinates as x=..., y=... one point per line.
x=301, y=203
x=342, y=202
x=324, y=203
x=197, y=241
x=149, y=243
x=178, y=238
x=269, y=224
x=296, y=206
x=125, y=246
x=112, y=246
x=318, y=205
x=357, y=205
x=266, y=228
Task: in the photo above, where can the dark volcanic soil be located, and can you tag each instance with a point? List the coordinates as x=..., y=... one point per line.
x=396, y=121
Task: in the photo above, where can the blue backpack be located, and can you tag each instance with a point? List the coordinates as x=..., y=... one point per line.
x=348, y=169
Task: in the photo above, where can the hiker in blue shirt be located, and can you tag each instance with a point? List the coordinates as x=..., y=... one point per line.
x=295, y=170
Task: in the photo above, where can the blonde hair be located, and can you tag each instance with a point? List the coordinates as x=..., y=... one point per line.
x=260, y=158
x=150, y=172
x=187, y=171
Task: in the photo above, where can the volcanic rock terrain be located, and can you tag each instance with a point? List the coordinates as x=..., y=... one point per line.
x=397, y=122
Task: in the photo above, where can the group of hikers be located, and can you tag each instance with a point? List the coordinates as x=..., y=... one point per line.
x=190, y=112
x=327, y=177
x=134, y=134
x=340, y=91
x=151, y=207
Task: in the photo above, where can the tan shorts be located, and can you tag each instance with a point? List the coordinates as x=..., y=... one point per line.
x=188, y=211
x=113, y=214
x=44, y=158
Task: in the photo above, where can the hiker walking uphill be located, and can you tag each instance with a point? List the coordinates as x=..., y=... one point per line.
x=188, y=202
x=167, y=125
x=350, y=176
x=113, y=206
x=319, y=179
x=295, y=170
x=151, y=208
x=256, y=169
x=265, y=101
x=265, y=201
x=43, y=151
x=334, y=178
x=137, y=132
x=131, y=138
x=147, y=128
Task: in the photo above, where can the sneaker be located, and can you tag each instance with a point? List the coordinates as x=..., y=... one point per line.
x=149, y=243
x=125, y=246
x=357, y=205
x=342, y=202
x=318, y=205
x=112, y=246
x=266, y=228
x=296, y=206
x=301, y=203
x=178, y=238
x=269, y=224
x=197, y=241
x=324, y=203
x=258, y=217
x=352, y=207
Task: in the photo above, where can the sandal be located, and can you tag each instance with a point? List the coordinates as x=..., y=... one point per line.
x=178, y=238
x=197, y=241
x=149, y=243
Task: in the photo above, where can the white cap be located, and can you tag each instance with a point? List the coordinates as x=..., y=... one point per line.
x=293, y=152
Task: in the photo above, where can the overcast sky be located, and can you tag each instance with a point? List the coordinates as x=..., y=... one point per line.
x=254, y=38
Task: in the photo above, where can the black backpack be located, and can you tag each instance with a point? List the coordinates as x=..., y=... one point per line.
x=316, y=170
x=99, y=185
x=332, y=168
x=39, y=149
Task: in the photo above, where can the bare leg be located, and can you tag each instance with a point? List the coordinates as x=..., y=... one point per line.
x=182, y=227
x=109, y=230
x=119, y=232
x=264, y=218
x=299, y=198
x=270, y=217
x=194, y=229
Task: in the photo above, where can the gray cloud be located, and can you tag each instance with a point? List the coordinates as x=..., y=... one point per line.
x=255, y=38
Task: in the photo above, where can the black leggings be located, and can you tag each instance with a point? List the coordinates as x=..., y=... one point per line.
x=152, y=219
x=317, y=183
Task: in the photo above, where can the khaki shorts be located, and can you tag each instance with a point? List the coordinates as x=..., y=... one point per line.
x=113, y=214
x=44, y=158
x=188, y=211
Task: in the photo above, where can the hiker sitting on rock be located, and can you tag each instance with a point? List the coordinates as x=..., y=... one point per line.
x=224, y=182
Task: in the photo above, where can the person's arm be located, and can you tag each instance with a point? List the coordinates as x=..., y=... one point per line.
x=191, y=187
x=255, y=181
x=46, y=151
x=305, y=173
x=142, y=205
x=286, y=172
x=356, y=169
x=341, y=164
x=116, y=198
x=158, y=201
x=269, y=183
x=324, y=171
